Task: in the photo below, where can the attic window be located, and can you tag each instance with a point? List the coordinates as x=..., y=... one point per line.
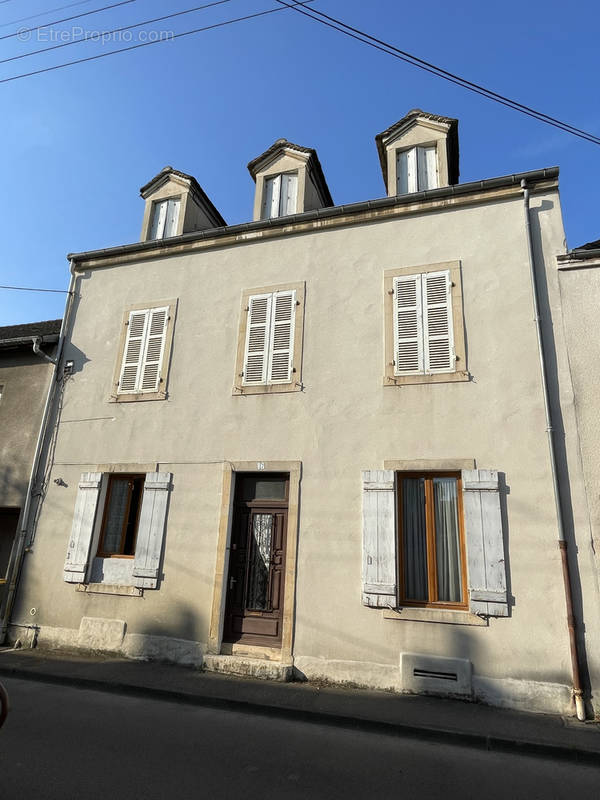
x=416, y=169
x=165, y=216
x=279, y=195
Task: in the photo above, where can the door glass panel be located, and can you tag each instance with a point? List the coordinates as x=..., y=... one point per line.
x=119, y=492
x=414, y=538
x=447, y=546
x=260, y=561
x=263, y=488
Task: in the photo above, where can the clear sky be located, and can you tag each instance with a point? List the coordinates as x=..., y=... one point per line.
x=77, y=143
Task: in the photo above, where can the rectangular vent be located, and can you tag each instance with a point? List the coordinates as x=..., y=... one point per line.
x=442, y=676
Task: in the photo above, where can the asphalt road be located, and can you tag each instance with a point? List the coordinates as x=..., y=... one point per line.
x=65, y=743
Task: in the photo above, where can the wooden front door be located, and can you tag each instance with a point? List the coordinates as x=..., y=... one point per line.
x=9, y=519
x=255, y=584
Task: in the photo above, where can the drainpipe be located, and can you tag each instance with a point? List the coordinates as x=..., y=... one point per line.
x=19, y=547
x=37, y=340
x=562, y=543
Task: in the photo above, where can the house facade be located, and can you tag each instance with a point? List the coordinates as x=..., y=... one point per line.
x=315, y=445
x=25, y=374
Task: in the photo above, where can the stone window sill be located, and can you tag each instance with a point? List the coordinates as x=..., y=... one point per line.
x=108, y=588
x=435, y=615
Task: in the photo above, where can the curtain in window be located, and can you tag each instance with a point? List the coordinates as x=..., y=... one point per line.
x=260, y=562
x=447, y=539
x=119, y=492
x=414, y=537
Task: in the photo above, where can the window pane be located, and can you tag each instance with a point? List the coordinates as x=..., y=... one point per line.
x=414, y=539
x=137, y=486
x=260, y=562
x=263, y=488
x=447, y=542
x=119, y=491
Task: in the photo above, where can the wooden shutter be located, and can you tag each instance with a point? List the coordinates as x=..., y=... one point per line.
x=281, y=339
x=154, y=346
x=272, y=197
x=427, y=168
x=257, y=339
x=159, y=215
x=151, y=528
x=406, y=171
x=379, y=539
x=437, y=322
x=485, y=543
x=133, y=354
x=84, y=516
x=172, y=218
x=408, y=325
x=289, y=192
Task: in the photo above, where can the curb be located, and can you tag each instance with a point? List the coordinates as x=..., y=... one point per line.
x=479, y=741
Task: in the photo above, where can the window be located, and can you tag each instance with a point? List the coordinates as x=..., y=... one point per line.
x=165, y=216
x=434, y=540
x=126, y=514
x=279, y=195
x=270, y=341
x=431, y=540
x=121, y=515
x=144, y=351
x=416, y=169
x=424, y=325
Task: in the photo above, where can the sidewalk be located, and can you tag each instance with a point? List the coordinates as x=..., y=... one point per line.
x=449, y=721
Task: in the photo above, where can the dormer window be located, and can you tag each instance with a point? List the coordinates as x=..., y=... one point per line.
x=416, y=169
x=165, y=216
x=280, y=194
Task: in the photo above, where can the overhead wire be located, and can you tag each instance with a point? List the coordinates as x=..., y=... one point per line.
x=44, y=13
x=30, y=289
x=108, y=53
x=386, y=47
x=24, y=31
x=96, y=36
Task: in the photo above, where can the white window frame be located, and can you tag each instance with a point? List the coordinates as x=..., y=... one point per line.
x=276, y=189
x=161, y=225
x=417, y=169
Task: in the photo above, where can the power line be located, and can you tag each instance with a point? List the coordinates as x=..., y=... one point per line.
x=30, y=289
x=43, y=13
x=66, y=19
x=402, y=55
x=99, y=35
x=145, y=44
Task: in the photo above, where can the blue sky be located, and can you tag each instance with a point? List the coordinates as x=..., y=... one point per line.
x=78, y=143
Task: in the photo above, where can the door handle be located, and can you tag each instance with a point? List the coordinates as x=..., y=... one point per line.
x=232, y=581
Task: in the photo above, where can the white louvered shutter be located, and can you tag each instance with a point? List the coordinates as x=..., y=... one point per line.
x=427, y=168
x=133, y=352
x=159, y=215
x=408, y=325
x=84, y=516
x=379, y=539
x=485, y=543
x=289, y=192
x=437, y=322
x=406, y=171
x=172, y=218
x=257, y=339
x=154, y=346
x=151, y=530
x=281, y=344
x=272, y=197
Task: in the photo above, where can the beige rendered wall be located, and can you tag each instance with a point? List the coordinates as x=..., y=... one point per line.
x=345, y=420
x=25, y=378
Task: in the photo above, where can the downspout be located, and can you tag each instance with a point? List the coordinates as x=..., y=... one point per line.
x=19, y=548
x=39, y=352
x=562, y=543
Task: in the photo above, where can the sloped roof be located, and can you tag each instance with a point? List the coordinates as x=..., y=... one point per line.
x=313, y=163
x=194, y=186
x=414, y=114
x=589, y=246
x=16, y=335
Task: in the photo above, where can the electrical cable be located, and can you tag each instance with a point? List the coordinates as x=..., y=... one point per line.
x=24, y=31
x=98, y=35
x=385, y=47
x=144, y=44
x=29, y=289
x=43, y=13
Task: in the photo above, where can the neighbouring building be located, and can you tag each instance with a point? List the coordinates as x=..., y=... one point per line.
x=25, y=374
x=315, y=444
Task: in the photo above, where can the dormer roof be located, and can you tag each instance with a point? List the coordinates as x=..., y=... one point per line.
x=408, y=121
x=169, y=173
x=307, y=154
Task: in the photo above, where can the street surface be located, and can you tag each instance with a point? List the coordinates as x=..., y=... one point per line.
x=62, y=743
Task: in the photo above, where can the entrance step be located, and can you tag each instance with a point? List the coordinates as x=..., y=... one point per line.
x=249, y=667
